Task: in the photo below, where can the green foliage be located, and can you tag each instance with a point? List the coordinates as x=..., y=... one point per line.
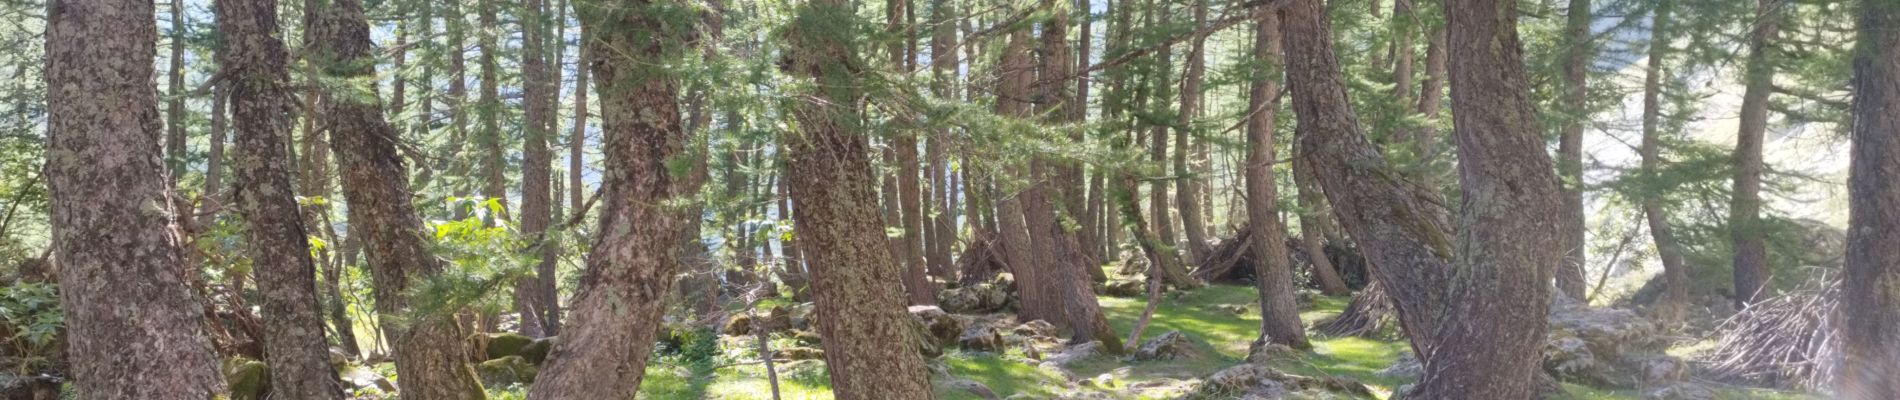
x=35, y=321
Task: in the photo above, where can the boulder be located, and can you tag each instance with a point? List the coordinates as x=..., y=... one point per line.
x=1569, y=359
x=357, y=377
x=981, y=338
x=505, y=344
x=777, y=319
x=1660, y=370
x=1261, y=351
x=1406, y=366
x=974, y=299
x=938, y=324
x=1125, y=288
x=738, y=325
x=974, y=388
x=806, y=337
x=1035, y=328
x=1172, y=345
x=1257, y=381
x=505, y=371
x=1605, y=347
x=248, y=379
x=1234, y=309
x=1071, y=354
x=799, y=353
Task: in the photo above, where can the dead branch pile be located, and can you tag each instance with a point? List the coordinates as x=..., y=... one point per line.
x=980, y=261
x=1366, y=315
x=1232, y=260
x=1784, y=342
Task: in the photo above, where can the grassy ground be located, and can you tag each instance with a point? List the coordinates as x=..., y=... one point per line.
x=1222, y=335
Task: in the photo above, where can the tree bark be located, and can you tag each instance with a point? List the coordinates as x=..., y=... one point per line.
x=1745, y=224
x=1161, y=82
x=1871, y=286
x=537, y=172
x=1055, y=192
x=175, y=97
x=943, y=69
x=1279, y=312
x=428, y=348
x=1577, y=54
x=1187, y=188
x=488, y=110
x=1676, y=281
x=603, y=353
x=857, y=284
x=909, y=190
x=1313, y=214
x=253, y=59
x=1499, y=288
x=134, y=330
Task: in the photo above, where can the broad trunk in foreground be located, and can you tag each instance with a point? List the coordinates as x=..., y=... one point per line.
x=1279, y=312
x=1871, y=290
x=858, y=285
x=1745, y=224
x=134, y=331
x=1499, y=286
x=428, y=348
x=609, y=333
x=254, y=60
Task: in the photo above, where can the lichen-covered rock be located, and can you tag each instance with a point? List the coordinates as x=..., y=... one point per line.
x=504, y=371
x=1660, y=370
x=777, y=319
x=981, y=338
x=737, y=325
x=1172, y=345
x=974, y=299
x=1406, y=366
x=1071, y=354
x=1604, y=347
x=505, y=344
x=806, y=337
x=1261, y=351
x=537, y=352
x=357, y=377
x=1125, y=288
x=1035, y=328
x=974, y=388
x=248, y=379
x=1257, y=381
x=1569, y=359
x=941, y=326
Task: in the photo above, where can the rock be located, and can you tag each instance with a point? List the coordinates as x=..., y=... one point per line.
x=1168, y=346
x=504, y=371
x=1233, y=309
x=975, y=388
x=1256, y=381
x=1262, y=352
x=1569, y=359
x=802, y=315
x=1071, y=354
x=1125, y=288
x=1036, y=328
x=506, y=344
x=1680, y=391
x=537, y=352
x=777, y=319
x=941, y=327
x=738, y=325
x=799, y=353
x=1407, y=366
x=974, y=299
x=806, y=337
x=357, y=377
x=248, y=379
x=981, y=338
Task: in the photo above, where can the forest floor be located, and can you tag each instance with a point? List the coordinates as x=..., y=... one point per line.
x=1202, y=314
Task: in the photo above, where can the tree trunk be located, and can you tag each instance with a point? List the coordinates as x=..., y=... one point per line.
x=857, y=286
x=603, y=353
x=488, y=109
x=1313, y=215
x=1161, y=82
x=109, y=186
x=577, y=141
x=175, y=97
x=943, y=69
x=1430, y=100
x=429, y=354
x=1064, y=262
x=1676, y=281
x=1871, y=290
x=1187, y=190
x=1279, y=312
x=1577, y=57
x=537, y=172
x=1499, y=287
x=1016, y=72
x=254, y=60
x=909, y=190
x=1745, y=224
x=1091, y=219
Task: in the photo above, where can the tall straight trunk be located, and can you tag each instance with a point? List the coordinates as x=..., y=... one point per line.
x=1158, y=148
x=455, y=24
x=314, y=181
x=1063, y=259
x=604, y=351
x=1676, y=281
x=428, y=348
x=1187, y=189
x=909, y=190
x=105, y=174
x=943, y=71
x=398, y=85
x=1279, y=312
x=857, y=287
x=537, y=172
x=1499, y=288
x=255, y=60
x=1403, y=240
x=214, y=157
x=175, y=97
x=1871, y=287
x=577, y=140
x=1745, y=224
x=1091, y=217
x=488, y=110
x=1016, y=73
x=1577, y=55
x=1430, y=102
x=1402, y=26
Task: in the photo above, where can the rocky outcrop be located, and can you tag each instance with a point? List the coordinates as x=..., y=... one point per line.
x=505, y=371
x=1125, y=288
x=974, y=299
x=1172, y=345
x=1255, y=381
x=981, y=338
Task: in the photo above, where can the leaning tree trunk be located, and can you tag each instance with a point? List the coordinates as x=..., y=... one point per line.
x=1499, y=287
x=133, y=329
x=1279, y=312
x=1187, y=191
x=428, y=348
x=603, y=353
x=1745, y=224
x=857, y=284
x=1872, y=285
x=254, y=60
